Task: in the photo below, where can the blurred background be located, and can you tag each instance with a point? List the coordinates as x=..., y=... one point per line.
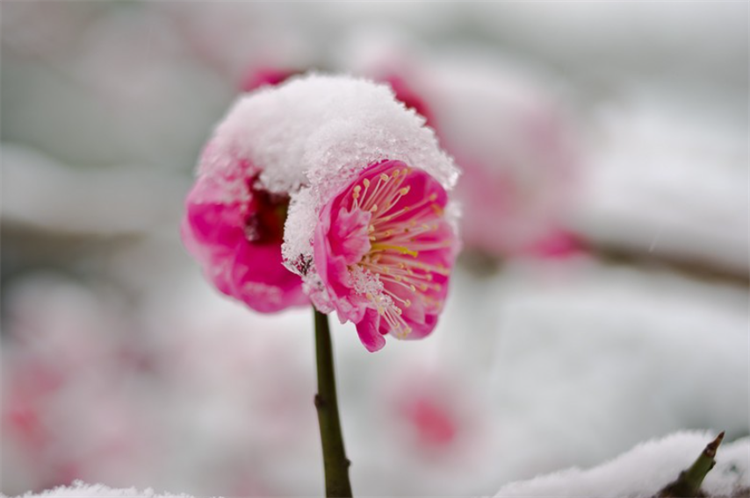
x=601, y=298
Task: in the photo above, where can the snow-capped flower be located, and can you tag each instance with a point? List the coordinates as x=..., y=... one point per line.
x=384, y=250
x=298, y=145
x=237, y=238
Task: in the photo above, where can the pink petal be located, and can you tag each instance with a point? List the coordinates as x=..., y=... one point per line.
x=368, y=330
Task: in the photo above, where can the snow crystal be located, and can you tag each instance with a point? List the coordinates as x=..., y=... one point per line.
x=80, y=489
x=365, y=282
x=323, y=129
x=645, y=470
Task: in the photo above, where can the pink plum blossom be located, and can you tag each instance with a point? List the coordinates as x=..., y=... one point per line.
x=384, y=249
x=237, y=238
x=270, y=183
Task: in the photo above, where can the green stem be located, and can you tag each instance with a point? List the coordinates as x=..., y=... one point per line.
x=335, y=463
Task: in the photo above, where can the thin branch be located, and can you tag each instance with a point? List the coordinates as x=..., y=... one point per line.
x=688, y=484
x=335, y=462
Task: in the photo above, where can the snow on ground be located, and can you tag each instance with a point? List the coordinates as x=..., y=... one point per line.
x=79, y=489
x=589, y=360
x=639, y=473
x=643, y=471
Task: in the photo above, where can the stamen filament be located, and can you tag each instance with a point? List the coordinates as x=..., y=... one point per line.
x=398, y=233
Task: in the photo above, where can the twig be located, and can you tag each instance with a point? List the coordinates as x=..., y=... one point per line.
x=688, y=484
x=335, y=462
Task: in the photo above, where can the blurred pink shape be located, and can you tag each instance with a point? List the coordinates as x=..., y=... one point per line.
x=433, y=423
x=61, y=417
x=559, y=244
x=435, y=417
x=515, y=191
x=506, y=131
x=258, y=77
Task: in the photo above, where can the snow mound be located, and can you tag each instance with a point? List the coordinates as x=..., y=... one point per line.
x=80, y=489
x=644, y=471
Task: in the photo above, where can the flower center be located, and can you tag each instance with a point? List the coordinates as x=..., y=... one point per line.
x=266, y=216
x=401, y=228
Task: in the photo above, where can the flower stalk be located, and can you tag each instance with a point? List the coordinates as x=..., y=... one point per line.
x=335, y=462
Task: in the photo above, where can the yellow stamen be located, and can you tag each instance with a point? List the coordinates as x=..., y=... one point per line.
x=401, y=249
